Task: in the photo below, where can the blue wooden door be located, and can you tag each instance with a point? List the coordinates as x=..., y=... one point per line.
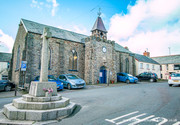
x=103, y=73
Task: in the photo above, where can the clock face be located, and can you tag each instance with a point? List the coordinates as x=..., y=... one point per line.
x=104, y=49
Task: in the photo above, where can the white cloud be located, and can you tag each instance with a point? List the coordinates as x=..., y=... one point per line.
x=36, y=4
x=149, y=24
x=156, y=42
x=76, y=29
x=54, y=6
x=6, y=41
x=80, y=29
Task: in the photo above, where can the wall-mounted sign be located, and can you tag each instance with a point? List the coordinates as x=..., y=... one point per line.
x=23, y=65
x=100, y=74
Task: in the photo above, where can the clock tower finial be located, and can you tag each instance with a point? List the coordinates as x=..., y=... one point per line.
x=99, y=29
x=99, y=13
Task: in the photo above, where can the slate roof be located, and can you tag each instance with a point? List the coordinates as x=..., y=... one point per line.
x=171, y=59
x=5, y=57
x=121, y=49
x=98, y=25
x=142, y=58
x=38, y=28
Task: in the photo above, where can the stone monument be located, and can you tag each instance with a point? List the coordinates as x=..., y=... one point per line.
x=35, y=106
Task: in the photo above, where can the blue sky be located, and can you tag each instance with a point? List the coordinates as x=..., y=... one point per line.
x=152, y=25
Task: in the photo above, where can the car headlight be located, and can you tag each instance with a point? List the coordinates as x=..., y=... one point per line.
x=73, y=82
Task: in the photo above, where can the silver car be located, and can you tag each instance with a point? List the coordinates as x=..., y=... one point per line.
x=71, y=81
x=174, y=79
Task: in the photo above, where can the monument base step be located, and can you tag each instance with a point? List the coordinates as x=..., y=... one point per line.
x=21, y=104
x=30, y=98
x=13, y=113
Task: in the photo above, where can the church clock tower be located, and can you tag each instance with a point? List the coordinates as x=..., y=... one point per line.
x=99, y=29
x=99, y=55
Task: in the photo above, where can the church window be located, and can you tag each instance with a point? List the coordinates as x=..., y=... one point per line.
x=73, y=60
x=18, y=59
x=127, y=65
x=49, y=58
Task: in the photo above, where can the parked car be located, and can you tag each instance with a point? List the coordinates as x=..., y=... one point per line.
x=52, y=79
x=6, y=85
x=125, y=77
x=148, y=76
x=71, y=81
x=174, y=79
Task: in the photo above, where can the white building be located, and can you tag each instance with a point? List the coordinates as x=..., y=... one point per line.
x=4, y=65
x=146, y=64
x=169, y=64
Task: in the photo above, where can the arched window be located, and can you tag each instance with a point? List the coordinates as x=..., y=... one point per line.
x=49, y=59
x=18, y=59
x=127, y=65
x=73, y=60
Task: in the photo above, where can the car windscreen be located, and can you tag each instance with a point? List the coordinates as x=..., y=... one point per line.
x=72, y=77
x=175, y=75
x=130, y=75
x=51, y=78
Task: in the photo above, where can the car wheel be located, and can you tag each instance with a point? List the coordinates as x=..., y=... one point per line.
x=7, y=88
x=127, y=81
x=69, y=86
x=151, y=80
x=170, y=84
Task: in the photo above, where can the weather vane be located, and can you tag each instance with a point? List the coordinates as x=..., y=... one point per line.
x=99, y=13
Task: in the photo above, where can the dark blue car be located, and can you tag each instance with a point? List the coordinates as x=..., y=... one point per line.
x=125, y=77
x=53, y=79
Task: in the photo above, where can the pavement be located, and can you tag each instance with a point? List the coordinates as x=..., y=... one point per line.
x=20, y=93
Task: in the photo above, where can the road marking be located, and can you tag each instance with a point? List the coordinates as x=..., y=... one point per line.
x=159, y=119
x=177, y=123
x=141, y=120
x=113, y=120
x=136, y=120
x=130, y=119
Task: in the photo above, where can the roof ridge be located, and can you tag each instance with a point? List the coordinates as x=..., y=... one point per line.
x=52, y=26
x=166, y=56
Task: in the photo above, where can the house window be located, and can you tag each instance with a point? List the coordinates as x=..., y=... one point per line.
x=127, y=65
x=4, y=77
x=177, y=67
x=167, y=67
x=18, y=59
x=73, y=61
x=8, y=65
x=153, y=67
x=147, y=66
x=141, y=65
x=161, y=67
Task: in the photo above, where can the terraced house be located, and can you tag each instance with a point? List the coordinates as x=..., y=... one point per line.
x=169, y=64
x=93, y=58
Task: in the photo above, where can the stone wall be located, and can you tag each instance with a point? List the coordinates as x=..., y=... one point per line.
x=19, y=42
x=30, y=51
x=96, y=58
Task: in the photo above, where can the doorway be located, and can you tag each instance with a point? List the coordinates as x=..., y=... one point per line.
x=103, y=74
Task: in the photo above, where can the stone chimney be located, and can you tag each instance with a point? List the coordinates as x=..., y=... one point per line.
x=146, y=54
x=126, y=47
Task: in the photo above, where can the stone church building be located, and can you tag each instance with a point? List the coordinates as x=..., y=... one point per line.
x=93, y=58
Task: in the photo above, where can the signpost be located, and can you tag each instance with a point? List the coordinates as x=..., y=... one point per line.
x=23, y=65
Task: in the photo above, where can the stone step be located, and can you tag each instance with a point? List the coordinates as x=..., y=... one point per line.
x=21, y=104
x=13, y=113
x=30, y=98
